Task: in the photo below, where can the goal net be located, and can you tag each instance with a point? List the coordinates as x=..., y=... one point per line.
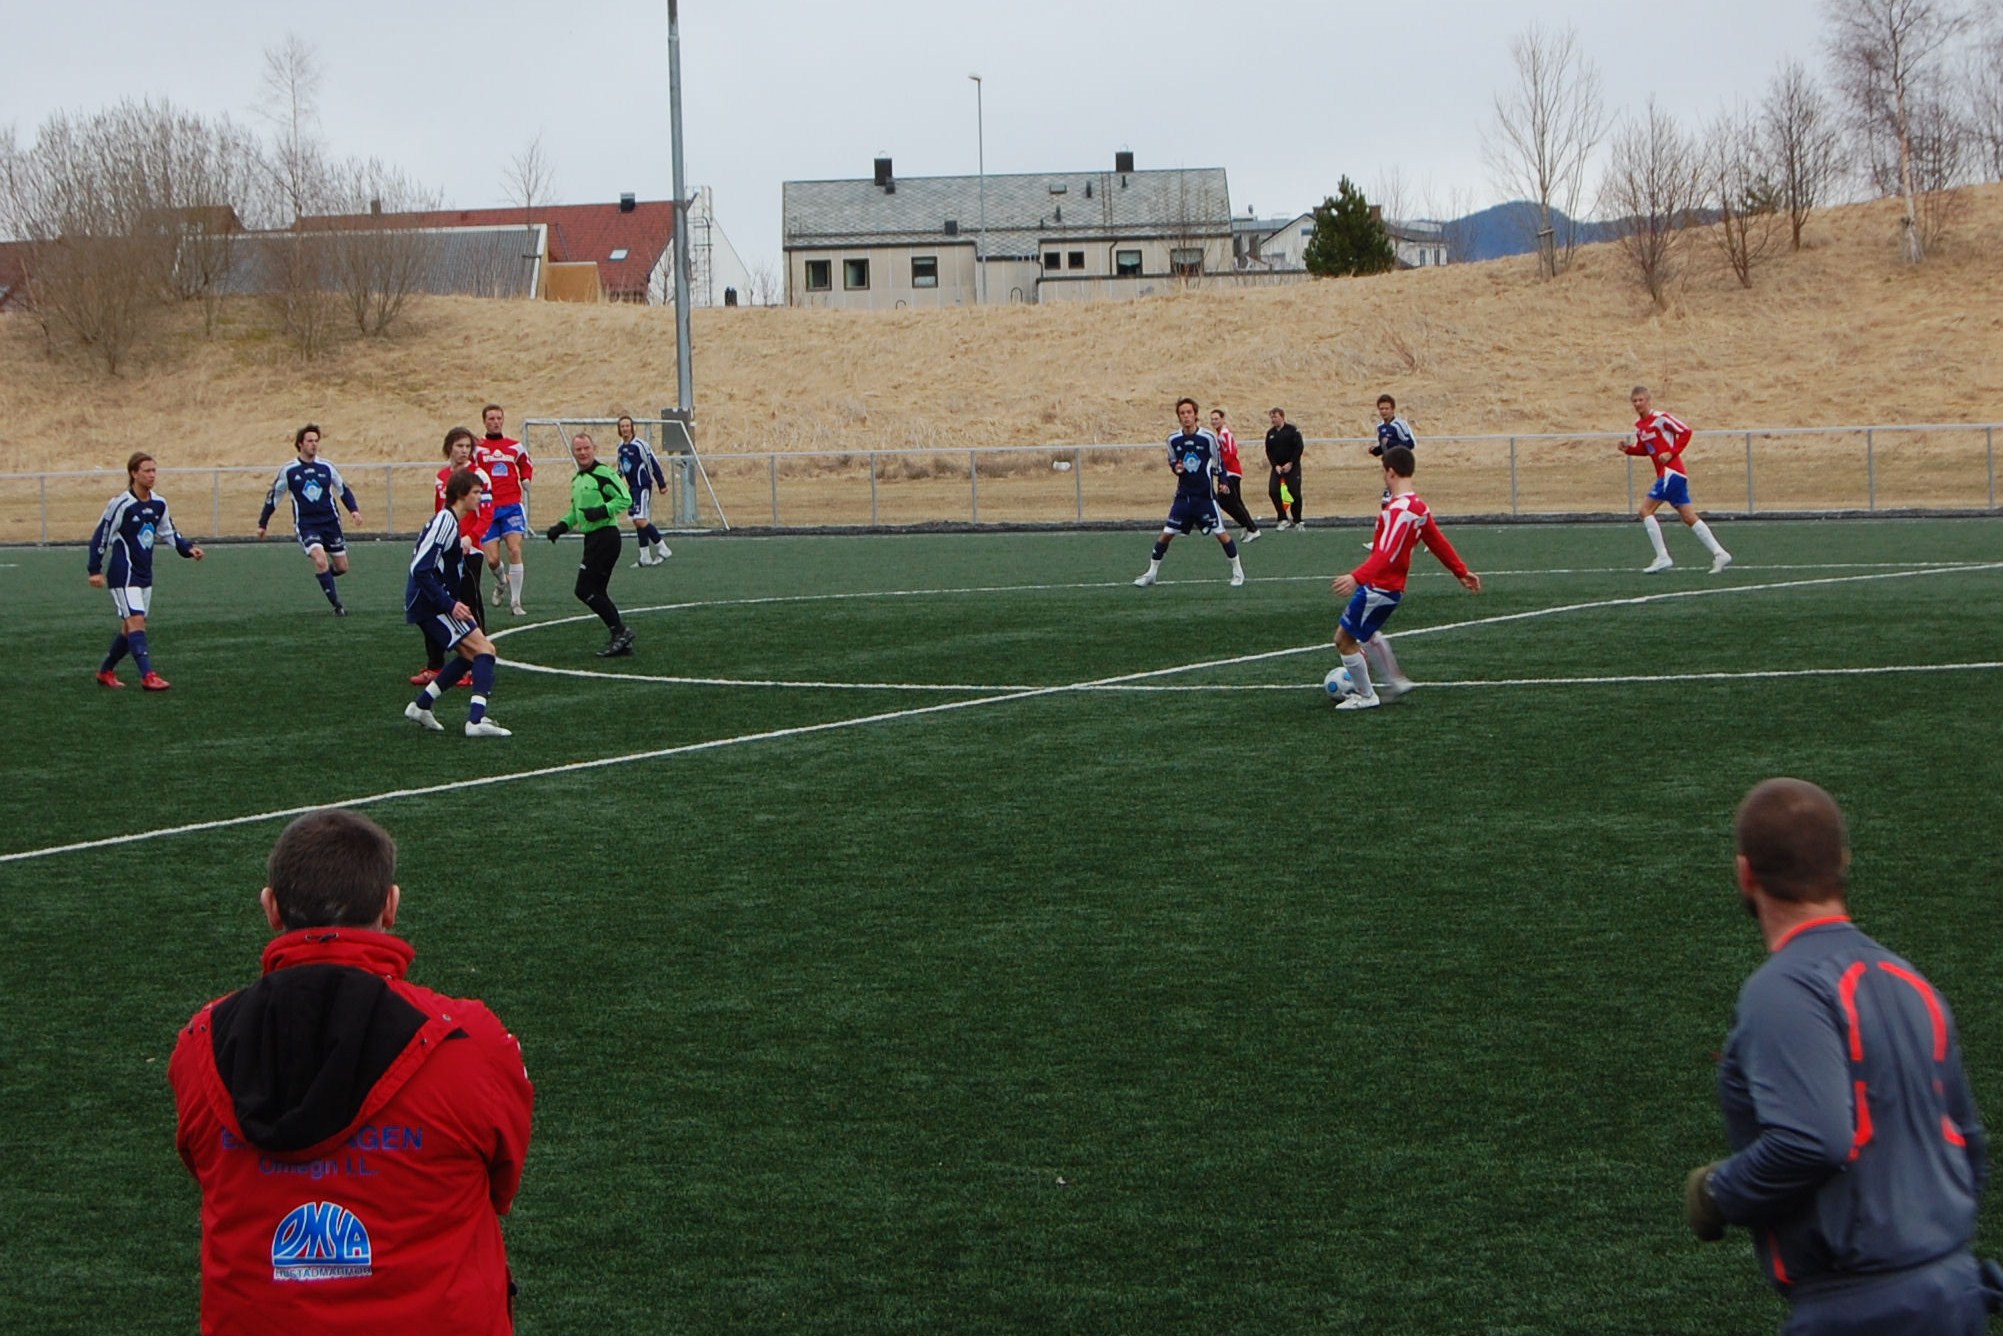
x=687, y=502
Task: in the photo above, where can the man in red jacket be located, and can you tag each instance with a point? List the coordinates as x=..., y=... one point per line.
x=356, y=1137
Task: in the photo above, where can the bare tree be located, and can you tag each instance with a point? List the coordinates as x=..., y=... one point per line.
x=296, y=162
x=765, y=288
x=1546, y=128
x=87, y=200
x=1801, y=144
x=380, y=259
x=530, y=181
x=1982, y=85
x=209, y=170
x=1739, y=188
x=1888, y=56
x=1652, y=188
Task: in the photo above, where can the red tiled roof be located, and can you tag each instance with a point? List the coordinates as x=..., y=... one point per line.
x=577, y=232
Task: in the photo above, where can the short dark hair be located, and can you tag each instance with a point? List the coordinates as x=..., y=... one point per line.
x=132, y=465
x=1639, y=389
x=332, y=868
x=1387, y=399
x=1399, y=460
x=1187, y=400
x=299, y=437
x=492, y=408
x=1281, y=411
x=456, y=434
x=1791, y=834
x=459, y=484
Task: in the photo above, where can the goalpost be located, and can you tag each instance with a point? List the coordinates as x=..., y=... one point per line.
x=688, y=502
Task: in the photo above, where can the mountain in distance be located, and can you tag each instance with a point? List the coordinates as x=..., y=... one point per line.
x=1511, y=229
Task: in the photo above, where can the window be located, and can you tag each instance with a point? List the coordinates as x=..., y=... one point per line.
x=817, y=275
x=855, y=274
x=619, y=254
x=1052, y=260
x=1127, y=263
x=1077, y=259
x=924, y=271
x=1185, y=261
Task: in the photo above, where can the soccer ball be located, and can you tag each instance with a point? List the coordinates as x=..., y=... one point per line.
x=1339, y=684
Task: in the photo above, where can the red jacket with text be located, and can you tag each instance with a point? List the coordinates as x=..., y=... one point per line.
x=357, y=1139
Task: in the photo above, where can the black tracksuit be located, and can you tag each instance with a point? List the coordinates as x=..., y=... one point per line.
x=1284, y=446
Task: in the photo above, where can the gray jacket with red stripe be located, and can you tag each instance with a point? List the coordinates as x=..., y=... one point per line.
x=1857, y=1145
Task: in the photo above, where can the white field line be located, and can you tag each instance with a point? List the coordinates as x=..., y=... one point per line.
x=717, y=744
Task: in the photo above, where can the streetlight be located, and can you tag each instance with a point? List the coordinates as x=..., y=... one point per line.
x=981, y=143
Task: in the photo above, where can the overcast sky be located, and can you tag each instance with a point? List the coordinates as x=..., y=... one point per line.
x=1286, y=96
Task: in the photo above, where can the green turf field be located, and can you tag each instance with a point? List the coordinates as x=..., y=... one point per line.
x=1180, y=1003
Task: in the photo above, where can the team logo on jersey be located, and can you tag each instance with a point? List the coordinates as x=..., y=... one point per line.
x=1192, y=462
x=313, y=491
x=321, y=1241
x=146, y=537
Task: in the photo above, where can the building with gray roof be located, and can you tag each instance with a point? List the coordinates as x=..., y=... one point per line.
x=882, y=242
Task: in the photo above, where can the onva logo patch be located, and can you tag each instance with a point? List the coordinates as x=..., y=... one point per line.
x=320, y=1241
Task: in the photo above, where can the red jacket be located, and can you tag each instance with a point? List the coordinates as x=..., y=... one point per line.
x=357, y=1139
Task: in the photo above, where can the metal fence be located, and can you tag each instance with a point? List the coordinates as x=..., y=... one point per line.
x=1949, y=468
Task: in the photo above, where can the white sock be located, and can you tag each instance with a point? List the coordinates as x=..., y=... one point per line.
x=1359, y=673
x=1703, y=532
x=514, y=583
x=500, y=579
x=1654, y=528
x=1377, y=649
x=1154, y=565
x=661, y=552
x=1237, y=566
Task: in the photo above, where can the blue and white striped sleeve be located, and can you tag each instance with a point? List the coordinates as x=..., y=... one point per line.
x=342, y=490
x=100, y=539
x=167, y=530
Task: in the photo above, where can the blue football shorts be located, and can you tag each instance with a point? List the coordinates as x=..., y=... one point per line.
x=131, y=600
x=507, y=520
x=1671, y=489
x=329, y=541
x=1369, y=608
x=643, y=504
x=1193, y=512
x=445, y=630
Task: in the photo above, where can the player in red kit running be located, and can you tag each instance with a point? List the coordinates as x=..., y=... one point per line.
x=1231, y=482
x=1375, y=588
x=1662, y=437
x=507, y=466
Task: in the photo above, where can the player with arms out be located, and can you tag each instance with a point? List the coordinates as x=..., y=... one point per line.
x=121, y=559
x=507, y=466
x=431, y=600
x=1196, y=461
x=1375, y=588
x=313, y=483
x=641, y=469
x=1662, y=438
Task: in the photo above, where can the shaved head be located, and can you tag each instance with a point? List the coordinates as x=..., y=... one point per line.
x=1792, y=836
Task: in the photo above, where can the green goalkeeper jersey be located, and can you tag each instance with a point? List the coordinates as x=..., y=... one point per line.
x=598, y=497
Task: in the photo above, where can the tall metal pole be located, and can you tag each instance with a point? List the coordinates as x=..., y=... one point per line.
x=684, y=361
x=981, y=148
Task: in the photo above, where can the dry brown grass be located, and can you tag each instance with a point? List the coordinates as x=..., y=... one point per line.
x=1841, y=333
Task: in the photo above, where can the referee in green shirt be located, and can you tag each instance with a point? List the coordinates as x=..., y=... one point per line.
x=598, y=497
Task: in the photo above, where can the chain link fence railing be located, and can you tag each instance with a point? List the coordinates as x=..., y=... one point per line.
x=1948, y=469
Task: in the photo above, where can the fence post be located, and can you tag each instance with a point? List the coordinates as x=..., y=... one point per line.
x=45, y=509
x=1512, y=476
x=974, y=483
x=872, y=489
x=1630, y=484
x=389, y=499
x=1870, y=470
x=1078, y=482
x=773, y=460
x=216, y=510
x=1750, y=508
x=1989, y=435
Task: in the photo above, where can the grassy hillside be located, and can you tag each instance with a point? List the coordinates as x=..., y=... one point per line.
x=1842, y=332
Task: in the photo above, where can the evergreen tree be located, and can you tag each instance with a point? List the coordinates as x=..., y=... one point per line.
x=1348, y=238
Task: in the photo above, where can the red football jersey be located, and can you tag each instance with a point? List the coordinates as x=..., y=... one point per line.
x=1661, y=437
x=508, y=466
x=1402, y=525
x=474, y=526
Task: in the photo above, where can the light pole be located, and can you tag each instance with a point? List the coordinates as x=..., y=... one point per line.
x=981, y=148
